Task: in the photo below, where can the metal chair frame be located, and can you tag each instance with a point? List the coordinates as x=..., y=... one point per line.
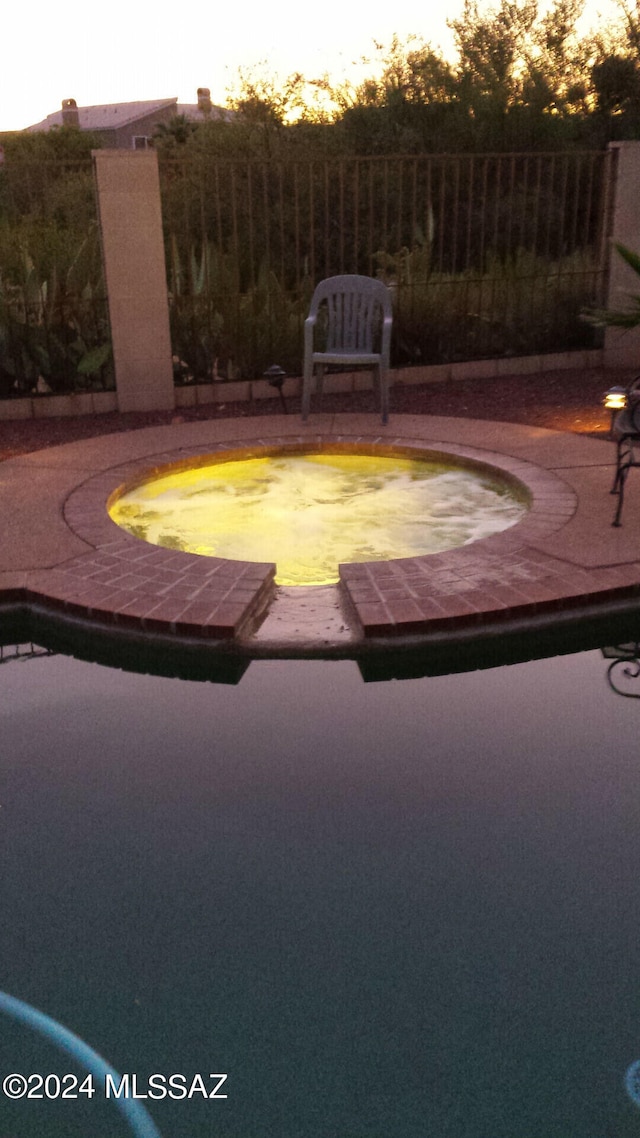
x=357, y=313
x=625, y=429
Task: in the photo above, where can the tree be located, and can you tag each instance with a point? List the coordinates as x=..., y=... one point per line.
x=262, y=98
x=559, y=60
x=616, y=83
x=265, y=105
x=403, y=106
x=66, y=143
x=167, y=136
x=493, y=46
x=412, y=72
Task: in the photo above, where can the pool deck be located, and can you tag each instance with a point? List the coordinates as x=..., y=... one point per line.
x=63, y=555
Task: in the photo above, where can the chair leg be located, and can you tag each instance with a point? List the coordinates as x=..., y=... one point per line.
x=307, y=383
x=625, y=459
x=381, y=387
x=619, y=463
x=614, y=488
x=383, y=380
x=306, y=389
x=621, y=478
x=320, y=383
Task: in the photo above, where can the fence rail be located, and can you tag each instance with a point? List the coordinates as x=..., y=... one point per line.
x=487, y=255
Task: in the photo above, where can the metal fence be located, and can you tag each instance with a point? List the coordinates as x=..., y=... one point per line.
x=54, y=326
x=489, y=255
x=486, y=256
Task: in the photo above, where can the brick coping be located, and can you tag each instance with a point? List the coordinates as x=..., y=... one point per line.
x=127, y=581
x=125, y=584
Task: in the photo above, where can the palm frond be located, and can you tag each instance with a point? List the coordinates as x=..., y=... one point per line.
x=632, y=259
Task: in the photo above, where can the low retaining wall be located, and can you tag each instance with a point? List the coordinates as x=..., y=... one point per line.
x=201, y=394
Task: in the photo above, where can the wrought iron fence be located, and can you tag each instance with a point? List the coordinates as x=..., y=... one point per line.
x=488, y=255
x=54, y=325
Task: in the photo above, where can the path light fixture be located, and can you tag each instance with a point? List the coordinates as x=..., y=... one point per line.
x=275, y=377
x=624, y=404
x=615, y=399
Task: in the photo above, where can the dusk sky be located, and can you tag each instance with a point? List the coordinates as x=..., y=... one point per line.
x=128, y=51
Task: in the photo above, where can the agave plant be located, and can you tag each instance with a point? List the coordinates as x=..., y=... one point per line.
x=622, y=317
x=219, y=331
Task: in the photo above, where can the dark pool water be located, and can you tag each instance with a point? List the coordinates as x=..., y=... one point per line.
x=397, y=910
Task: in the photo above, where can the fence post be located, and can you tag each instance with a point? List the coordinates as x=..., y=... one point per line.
x=128, y=190
x=622, y=346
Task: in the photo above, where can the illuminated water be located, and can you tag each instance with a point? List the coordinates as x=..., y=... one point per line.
x=398, y=910
x=309, y=513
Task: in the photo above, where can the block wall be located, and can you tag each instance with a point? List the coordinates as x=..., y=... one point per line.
x=128, y=191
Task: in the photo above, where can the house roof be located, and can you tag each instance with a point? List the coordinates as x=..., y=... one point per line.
x=110, y=116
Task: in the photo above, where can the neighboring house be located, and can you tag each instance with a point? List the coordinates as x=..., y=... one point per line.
x=131, y=125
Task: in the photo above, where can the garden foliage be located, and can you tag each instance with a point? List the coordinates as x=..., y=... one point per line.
x=54, y=329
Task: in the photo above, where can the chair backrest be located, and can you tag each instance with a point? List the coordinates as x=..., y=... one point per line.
x=356, y=308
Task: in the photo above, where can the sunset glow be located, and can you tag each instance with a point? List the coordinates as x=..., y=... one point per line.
x=128, y=52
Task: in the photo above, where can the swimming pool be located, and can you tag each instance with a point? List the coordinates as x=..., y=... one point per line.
x=389, y=909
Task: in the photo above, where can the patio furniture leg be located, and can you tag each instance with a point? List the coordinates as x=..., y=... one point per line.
x=621, y=478
x=616, y=480
x=306, y=388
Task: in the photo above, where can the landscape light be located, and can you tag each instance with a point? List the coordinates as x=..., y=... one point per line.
x=275, y=377
x=615, y=399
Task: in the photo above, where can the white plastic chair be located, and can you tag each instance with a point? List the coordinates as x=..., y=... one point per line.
x=357, y=323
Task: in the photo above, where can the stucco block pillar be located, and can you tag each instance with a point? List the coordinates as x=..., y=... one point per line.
x=622, y=347
x=128, y=189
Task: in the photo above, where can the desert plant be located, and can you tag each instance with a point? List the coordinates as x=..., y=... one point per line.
x=220, y=331
x=619, y=317
x=54, y=333
x=517, y=305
